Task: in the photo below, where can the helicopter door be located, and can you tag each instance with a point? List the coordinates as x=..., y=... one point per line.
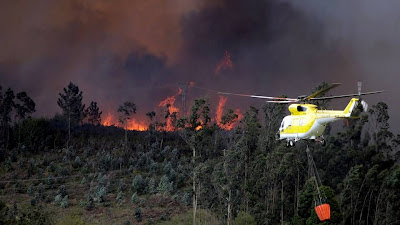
x=286, y=123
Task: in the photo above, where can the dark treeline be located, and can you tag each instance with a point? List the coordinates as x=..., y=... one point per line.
x=241, y=176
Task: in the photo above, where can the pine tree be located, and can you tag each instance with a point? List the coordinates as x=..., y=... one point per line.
x=93, y=114
x=23, y=106
x=6, y=106
x=70, y=102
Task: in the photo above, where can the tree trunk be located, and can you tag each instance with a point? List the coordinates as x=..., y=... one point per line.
x=356, y=202
x=8, y=137
x=126, y=133
x=69, y=129
x=282, y=203
x=245, y=190
x=369, y=206
x=377, y=207
x=363, y=205
x=229, y=219
x=19, y=135
x=194, y=187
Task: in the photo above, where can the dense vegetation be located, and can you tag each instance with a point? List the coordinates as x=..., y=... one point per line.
x=71, y=170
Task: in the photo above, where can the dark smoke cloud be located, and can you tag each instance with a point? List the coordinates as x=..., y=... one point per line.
x=275, y=49
x=138, y=50
x=369, y=30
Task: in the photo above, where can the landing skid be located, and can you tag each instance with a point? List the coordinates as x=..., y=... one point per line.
x=291, y=142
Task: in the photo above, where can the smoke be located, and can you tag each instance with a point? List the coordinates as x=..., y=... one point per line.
x=139, y=50
x=369, y=30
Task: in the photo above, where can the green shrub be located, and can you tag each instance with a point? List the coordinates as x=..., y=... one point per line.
x=101, y=194
x=71, y=220
x=138, y=184
x=134, y=198
x=50, y=181
x=119, y=197
x=121, y=186
x=58, y=199
x=64, y=202
x=187, y=218
x=89, y=204
x=151, y=187
x=77, y=162
x=244, y=219
x=187, y=198
x=165, y=186
x=62, y=191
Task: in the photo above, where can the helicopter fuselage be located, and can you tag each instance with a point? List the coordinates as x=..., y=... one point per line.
x=308, y=122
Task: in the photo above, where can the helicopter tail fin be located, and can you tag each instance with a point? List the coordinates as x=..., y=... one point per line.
x=350, y=107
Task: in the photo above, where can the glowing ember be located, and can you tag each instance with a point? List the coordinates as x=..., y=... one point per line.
x=169, y=102
x=225, y=63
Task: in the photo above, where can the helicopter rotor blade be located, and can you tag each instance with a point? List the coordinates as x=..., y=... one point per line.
x=320, y=92
x=283, y=102
x=259, y=96
x=349, y=95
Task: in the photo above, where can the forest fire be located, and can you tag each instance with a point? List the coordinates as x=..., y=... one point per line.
x=171, y=110
x=225, y=63
x=219, y=113
x=133, y=124
x=220, y=108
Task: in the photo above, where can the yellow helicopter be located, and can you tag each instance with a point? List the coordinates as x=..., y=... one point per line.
x=306, y=120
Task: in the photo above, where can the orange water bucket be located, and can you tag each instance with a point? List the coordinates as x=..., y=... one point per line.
x=323, y=212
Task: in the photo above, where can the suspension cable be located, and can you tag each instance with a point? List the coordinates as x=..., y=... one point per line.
x=314, y=173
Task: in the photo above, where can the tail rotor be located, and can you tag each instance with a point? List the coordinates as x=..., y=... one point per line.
x=364, y=104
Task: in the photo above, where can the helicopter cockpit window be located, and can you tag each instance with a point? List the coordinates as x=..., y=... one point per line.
x=301, y=108
x=286, y=122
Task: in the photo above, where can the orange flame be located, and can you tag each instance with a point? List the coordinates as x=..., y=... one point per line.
x=170, y=101
x=225, y=63
x=220, y=109
x=137, y=125
x=132, y=124
x=221, y=104
x=107, y=121
x=240, y=115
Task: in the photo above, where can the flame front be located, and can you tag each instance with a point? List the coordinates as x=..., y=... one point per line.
x=132, y=124
x=168, y=103
x=108, y=120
